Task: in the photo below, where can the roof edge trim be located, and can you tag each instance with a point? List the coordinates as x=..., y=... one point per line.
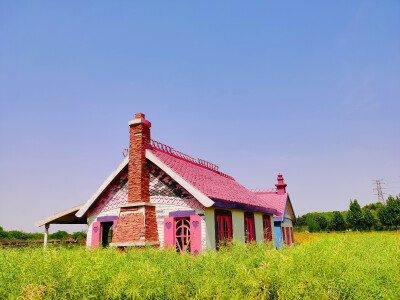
x=242, y=206
x=57, y=215
x=101, y=189
x=203, y=199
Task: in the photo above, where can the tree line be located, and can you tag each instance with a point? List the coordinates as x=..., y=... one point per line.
x=375, y=216
x=16, y=235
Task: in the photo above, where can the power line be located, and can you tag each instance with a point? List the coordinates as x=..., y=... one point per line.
x=378, y=189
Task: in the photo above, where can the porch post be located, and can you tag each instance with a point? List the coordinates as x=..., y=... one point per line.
x=46, y=235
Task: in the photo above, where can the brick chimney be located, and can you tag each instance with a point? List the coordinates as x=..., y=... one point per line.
x=280, y=186
x=137, y=225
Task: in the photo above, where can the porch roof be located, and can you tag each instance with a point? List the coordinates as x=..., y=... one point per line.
x=64, y=217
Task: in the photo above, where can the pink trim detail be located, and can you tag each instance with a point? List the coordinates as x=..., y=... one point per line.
x=96, y=232
x=176, y=201
x=195, y=234
x=115, y=226
x=169, y=230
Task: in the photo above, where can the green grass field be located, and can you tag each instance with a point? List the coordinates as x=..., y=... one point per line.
x=332, y=266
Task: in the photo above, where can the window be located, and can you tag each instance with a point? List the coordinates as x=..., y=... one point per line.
x=283, y=235
x=182, y=234
x=249, y=228
x=223, y=227
x=267, y=228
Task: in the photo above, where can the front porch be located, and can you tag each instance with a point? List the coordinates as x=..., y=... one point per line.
x=64, y=217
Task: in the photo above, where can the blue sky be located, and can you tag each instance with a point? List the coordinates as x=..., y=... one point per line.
x=310, y=89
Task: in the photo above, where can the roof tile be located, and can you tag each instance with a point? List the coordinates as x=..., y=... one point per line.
x=210, y=182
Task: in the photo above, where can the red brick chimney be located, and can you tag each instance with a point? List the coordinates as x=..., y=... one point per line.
x=280, y=186
x=137, y=225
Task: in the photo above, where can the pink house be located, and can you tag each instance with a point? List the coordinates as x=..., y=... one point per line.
x=285, y=218
x=161, y=197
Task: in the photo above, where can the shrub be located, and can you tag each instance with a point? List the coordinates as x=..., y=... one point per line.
x=17, y=235
x=81, y=235
x=59, y=235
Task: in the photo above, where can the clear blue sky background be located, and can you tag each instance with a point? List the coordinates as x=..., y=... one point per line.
x=310, y=89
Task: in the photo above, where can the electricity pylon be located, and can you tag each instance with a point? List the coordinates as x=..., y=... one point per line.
x=378, y=189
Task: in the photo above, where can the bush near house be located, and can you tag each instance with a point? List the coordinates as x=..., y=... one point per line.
x=348, y=265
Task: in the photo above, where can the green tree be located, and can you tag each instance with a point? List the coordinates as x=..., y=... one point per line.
x=373, y=206
x=322, y=222
x=338, y=223
x=384, y=216
x=355, y=216
x=3, y=234
x=393, y=207
x=301, y=221
x=369, y=219
x=312, y=224
x=17, y=235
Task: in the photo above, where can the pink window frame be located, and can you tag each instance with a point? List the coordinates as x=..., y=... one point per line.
x=249, y=227
x=222, y=216
x=267, y=228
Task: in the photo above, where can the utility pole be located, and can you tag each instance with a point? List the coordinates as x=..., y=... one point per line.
x=378, y=189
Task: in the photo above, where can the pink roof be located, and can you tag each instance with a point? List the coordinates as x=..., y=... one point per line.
x=275, y=201
x=210, y=182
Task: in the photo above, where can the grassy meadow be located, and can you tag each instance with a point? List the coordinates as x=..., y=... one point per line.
x=321, y=266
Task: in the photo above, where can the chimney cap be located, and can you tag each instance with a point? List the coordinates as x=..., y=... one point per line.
x=281, y=185
x=140, y=116
x=139, y=119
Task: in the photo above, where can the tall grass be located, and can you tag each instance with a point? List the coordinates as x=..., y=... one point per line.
x=352, y=266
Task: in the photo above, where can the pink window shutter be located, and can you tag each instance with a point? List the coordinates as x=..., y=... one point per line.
x=169, y=236
x=96, y=231
x=195, y=234
x=283, y=235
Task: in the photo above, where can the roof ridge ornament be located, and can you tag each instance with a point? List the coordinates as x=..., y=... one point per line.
x=201, y=162
x=263, y=190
